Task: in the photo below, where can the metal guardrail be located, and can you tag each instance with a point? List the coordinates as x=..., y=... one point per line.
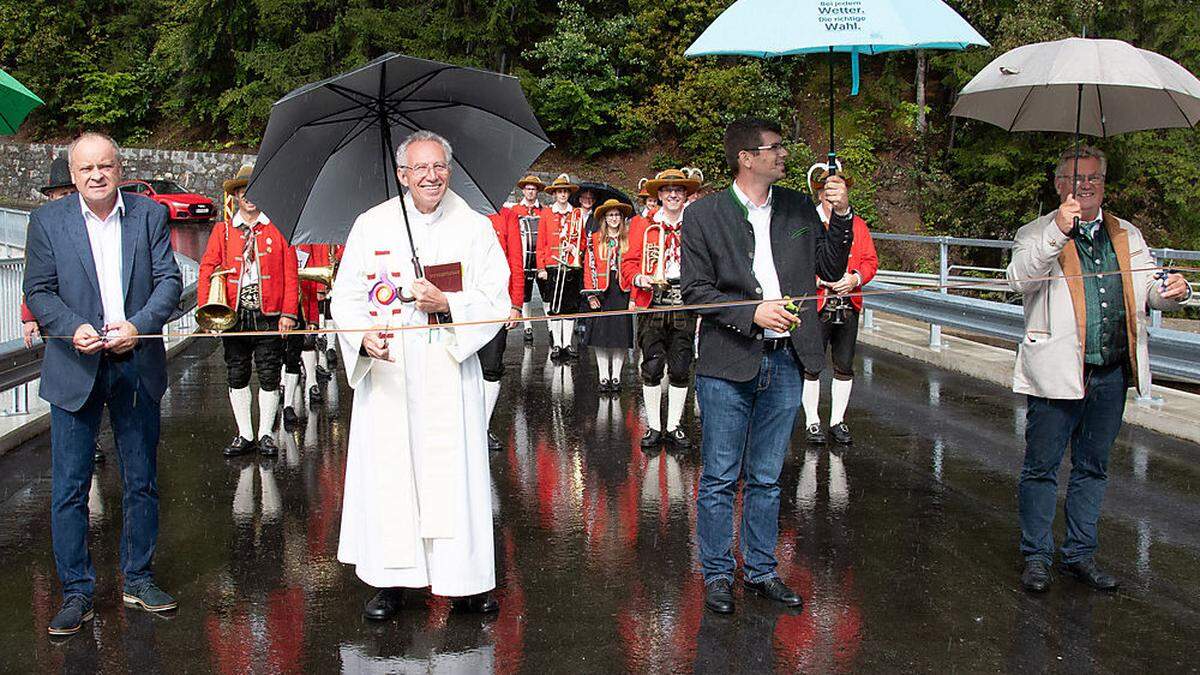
x=1173, y=354
x=13, y=225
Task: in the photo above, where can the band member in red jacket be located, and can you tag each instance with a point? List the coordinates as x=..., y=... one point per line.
x=491, y=357
x=301, y=352
x=529, y=214
x=561, y=242
x=258, y=268
x=611, y=337
x=839, y=320
x=666, y=339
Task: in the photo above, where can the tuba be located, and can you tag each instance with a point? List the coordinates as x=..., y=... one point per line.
x=215, y=315
x=654, y=257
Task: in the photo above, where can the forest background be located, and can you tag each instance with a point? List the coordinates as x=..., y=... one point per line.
x=608, y=81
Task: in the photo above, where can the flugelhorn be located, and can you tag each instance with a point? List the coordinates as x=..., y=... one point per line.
x=215, y=315
x=654, y=257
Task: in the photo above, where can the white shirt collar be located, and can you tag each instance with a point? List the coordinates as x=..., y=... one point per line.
x=239, y=221
x=564, y=210
x=750, y=206
x=118, y=209
x=427, y=219
x=1090, y=226
x=660, y=216
x=534, y=205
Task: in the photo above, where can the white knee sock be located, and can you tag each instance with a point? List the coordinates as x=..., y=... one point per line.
x=841, y=398
x=618, y=362
x=491, y=393
x=240, y=400
x=676, y=399
x=652, y=398
x=810, y=397
x=603, y=362
x=268, y=406
x=309, y=359
x=291, y=382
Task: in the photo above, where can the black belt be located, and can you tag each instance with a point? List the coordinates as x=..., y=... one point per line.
x=774, y=344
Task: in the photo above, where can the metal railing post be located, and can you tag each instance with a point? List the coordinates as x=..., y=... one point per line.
x=935, y=330
x=868, y=319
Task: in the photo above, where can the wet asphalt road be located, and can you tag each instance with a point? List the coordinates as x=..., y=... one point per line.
x=904, y=547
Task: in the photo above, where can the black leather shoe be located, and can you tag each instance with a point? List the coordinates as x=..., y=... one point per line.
x=1036, y=577
x=290, y=418
x=775, y=589
x=1089, y=573
x=652, y=438
x=556, y=353
x=314, y=394
x=718, y=596
x=385, y=604
x=605, y=385
x=323, y=375
x=814, y=435
x=75, y=610
x=267, y=447
x=841, y=434
x=678, y=439
x=494, y=443
x=238, y=446
x=614, y=386
x=483, y=603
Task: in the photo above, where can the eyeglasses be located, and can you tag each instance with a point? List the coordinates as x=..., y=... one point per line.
x=774, y=147
x=1096, y=178
x=436, y=167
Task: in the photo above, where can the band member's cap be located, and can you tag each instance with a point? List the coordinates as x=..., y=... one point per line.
x=817, y=173
x=531, y=180
x=671, y=177
x=610, y=204
x=60, y=176
x=563, y=182
x=239, y=181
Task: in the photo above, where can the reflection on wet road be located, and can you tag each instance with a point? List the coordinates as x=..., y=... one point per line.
x=904, y=547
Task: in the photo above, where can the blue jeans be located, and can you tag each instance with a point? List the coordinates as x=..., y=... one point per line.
x=134, y=416
x=1090, y=426
x=747, y=427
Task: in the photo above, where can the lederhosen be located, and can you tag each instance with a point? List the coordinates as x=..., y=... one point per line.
x=667, y=339
x=244, y=353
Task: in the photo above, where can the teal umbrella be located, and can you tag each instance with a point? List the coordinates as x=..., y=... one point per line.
x=15, y=103
x=772, y=28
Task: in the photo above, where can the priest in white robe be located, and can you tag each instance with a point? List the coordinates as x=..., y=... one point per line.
x=417, y=508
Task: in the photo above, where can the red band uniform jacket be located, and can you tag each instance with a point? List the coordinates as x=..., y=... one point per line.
x=278, y=284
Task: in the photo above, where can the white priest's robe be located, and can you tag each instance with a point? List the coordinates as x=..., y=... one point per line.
x=417, y=508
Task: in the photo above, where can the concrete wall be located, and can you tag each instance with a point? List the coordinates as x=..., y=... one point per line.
x=24, y=167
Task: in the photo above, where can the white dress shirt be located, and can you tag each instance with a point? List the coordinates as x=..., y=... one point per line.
x=764, y=262
x=104, y=235
x=250, y=272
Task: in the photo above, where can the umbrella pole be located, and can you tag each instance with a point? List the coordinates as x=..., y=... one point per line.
x=832, y=166
x=1075, y=169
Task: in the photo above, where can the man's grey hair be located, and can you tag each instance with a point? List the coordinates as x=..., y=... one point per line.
x=1066, y=160
x=418, y=136
x=93, y=135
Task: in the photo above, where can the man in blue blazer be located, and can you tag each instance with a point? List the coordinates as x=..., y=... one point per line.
x=99, y=268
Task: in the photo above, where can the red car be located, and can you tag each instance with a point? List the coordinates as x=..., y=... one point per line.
x=181, y=204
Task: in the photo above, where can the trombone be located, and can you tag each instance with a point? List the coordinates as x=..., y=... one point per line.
x=568, y=256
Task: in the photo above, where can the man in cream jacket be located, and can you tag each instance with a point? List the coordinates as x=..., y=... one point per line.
x=1085, y=344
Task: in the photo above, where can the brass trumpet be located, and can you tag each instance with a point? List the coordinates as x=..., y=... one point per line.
x=654, y=257
x=215, y=315
x=322, y=275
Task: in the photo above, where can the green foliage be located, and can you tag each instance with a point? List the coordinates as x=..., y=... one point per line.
x=610, y=75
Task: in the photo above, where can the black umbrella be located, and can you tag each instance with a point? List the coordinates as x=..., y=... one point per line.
x=329, y=150
x=603, y=192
